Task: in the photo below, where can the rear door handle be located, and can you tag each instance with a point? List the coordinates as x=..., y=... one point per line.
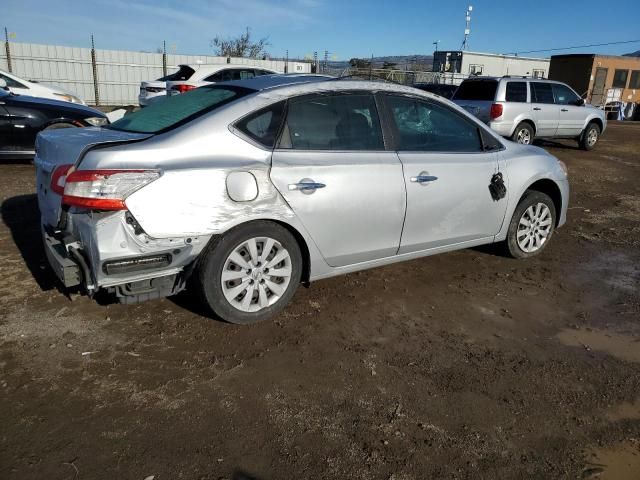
x=537, y=108
x=423, y=178
x=306, y=185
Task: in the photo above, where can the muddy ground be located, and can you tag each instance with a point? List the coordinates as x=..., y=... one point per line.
x=463, y=365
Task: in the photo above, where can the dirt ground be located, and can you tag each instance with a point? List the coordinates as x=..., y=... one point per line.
x=463, y=365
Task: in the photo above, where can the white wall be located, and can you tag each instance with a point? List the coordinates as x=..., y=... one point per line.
x=119, y=72
x=499, y=65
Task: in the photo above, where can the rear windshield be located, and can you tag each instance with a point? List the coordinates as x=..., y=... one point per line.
x=476, y=90
x=183, y=73
x=177, y=110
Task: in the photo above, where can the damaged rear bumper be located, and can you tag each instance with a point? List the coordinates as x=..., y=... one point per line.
x=106, y=252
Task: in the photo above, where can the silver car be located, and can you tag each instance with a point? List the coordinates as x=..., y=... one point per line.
x=522, y=108
x=250, y=188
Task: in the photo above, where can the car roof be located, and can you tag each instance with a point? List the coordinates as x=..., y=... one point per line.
x=510, y=77
x=201, y=67
x=265, y=82
x=278, y=87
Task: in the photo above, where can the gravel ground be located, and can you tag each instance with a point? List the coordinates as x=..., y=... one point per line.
x=463, y=365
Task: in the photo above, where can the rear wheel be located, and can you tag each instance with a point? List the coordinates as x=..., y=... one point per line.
x=251, y=273
x=590, y=136
x=532, y=225
x=523, y=134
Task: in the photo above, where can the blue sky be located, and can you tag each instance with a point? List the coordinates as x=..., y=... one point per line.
x=347, y=28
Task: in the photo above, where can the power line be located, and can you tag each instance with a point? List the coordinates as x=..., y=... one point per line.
x=577, y=46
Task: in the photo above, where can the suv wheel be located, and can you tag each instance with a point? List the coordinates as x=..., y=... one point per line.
x=523, y=134
x=590, y=136
x=532, y=225
x=250, y=273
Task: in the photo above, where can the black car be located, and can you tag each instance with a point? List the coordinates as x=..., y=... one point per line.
x=441, y=89
x=22, y=117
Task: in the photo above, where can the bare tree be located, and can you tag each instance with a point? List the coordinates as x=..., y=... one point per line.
x=242, y=46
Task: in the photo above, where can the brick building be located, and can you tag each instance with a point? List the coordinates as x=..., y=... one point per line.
x=599, y=78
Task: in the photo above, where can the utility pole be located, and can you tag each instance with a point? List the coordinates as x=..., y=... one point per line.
x=467, y=29
x=286, y=63
x=164, y=58
x=95, y=72
x=7, y=49
x=436, y=45
x=315, y=62
x=326, y=59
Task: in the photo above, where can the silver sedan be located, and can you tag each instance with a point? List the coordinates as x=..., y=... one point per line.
x=247, y=189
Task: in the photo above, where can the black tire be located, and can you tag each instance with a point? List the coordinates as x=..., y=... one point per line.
x=529, y=199
x=524, y=130
x=590, y=136
x=209, y=271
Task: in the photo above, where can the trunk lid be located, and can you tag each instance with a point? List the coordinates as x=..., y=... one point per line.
x=67, y=146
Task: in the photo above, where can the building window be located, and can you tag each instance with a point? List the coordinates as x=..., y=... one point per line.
x=635, y=79
x=476, y=69
x=538, y=73
x=620, y=78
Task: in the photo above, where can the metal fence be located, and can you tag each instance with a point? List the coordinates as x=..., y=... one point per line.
x=110, y=77
x=404, y=77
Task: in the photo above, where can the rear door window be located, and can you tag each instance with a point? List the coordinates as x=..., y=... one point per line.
x=516, y=92
x=333, y=122
x=541, y=92
x=477, y=90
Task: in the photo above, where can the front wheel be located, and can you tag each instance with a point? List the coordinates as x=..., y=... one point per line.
x=590, y=136
x=251, y=273
x=532, y=225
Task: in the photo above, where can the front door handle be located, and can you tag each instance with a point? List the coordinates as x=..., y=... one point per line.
x=537, y=109
x=564, y=110
x=423, y=178
x=306, y=186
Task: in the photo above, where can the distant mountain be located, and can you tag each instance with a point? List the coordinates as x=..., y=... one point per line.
x=634, y=54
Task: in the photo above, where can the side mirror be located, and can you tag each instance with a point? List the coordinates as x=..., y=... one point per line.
x=3, y=83
x=580, y=102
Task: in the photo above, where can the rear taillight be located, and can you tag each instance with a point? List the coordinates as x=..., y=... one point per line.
x=58, y=178
x=183, y=87
x=496, y=110
x=104, y=189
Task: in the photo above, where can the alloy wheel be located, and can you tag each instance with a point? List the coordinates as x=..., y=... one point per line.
x=592, y=137
x=524, y=136
x=534, y=228
x=256, y=274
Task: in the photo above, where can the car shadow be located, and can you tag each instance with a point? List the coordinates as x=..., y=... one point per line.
x=189, y=300
x=555, y=144
x=21, y=215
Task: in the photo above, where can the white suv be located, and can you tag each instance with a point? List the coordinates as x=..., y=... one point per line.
x=523, y=108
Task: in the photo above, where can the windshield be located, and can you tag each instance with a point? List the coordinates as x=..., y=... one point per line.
x=177, y=110
x=476, y=90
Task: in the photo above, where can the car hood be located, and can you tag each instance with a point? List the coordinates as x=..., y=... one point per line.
x=58, y=104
